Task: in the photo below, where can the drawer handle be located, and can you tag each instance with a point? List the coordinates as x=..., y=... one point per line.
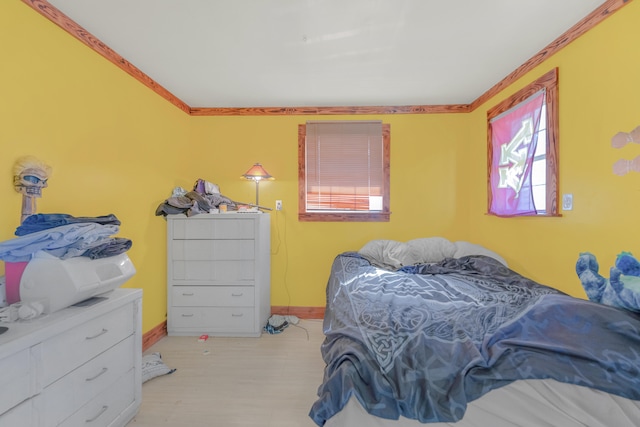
x=184, y=294
x=236, y=315
x=102, y=332
x=187, y=315
x=102, y=411
x=237, y=295
x=102, y=372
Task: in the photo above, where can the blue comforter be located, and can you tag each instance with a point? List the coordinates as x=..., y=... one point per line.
x=424, y=341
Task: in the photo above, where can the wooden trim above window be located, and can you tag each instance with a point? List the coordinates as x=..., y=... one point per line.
x=548, y=81
x=344, y=217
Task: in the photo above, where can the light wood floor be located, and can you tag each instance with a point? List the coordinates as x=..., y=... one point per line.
x=269, y=381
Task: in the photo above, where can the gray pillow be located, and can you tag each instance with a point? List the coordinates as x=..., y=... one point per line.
x=387, y=254
x=431, y=249
x=465, y=248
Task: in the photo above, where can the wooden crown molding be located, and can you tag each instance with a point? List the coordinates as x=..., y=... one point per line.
x=63, y=21
x=594, y=18
x=301, y=111
x=70, y=26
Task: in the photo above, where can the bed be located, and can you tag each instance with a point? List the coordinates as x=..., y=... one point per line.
x=452, y=337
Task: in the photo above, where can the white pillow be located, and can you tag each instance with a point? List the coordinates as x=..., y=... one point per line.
x=465, y=248
x=389, y=254
x=153, y=366
x=431, y=249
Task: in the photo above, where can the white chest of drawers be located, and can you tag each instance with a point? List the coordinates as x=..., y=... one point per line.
x=218, y=274
x=77, y=366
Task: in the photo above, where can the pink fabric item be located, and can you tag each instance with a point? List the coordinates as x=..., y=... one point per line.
x=13, y=273
x=514, y=139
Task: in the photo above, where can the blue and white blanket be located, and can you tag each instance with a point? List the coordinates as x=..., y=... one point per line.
x=424, y=341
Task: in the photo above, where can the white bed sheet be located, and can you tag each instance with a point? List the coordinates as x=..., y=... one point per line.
x=525, y=403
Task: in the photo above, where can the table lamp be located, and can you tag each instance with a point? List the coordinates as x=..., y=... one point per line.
x=257, y=173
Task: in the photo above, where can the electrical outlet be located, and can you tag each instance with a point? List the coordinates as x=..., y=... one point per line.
x=278, y=205
x=567, y=202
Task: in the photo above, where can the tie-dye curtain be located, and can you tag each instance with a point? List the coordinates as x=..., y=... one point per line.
x=514, y=136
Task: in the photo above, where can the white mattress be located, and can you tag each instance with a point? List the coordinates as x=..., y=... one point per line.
x=525, y=403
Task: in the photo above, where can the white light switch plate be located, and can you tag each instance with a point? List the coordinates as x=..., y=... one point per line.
x=567, y=202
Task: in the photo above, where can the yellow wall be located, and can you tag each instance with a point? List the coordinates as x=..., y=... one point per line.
x=424, y=173
x=599, y=96
x=117, y=147
x=112, y=143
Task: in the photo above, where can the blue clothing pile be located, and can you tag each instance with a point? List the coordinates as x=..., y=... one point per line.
x=65, y=236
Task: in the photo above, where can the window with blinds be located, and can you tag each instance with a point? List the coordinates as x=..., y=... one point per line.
x=344, y=171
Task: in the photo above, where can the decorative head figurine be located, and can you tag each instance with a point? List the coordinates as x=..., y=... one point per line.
x=30, y=176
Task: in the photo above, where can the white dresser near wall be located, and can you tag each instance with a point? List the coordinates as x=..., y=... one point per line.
x=76, y=367
x=218, y=274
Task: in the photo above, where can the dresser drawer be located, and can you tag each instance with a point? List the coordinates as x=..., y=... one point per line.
x=221, y=228
x=105, y=408
x=209, y=319
x=77, y=388
x=212, y=296
x=67, y=351
x=214, y=271
x=209, y=250
x=17, y=379
x=23, y=415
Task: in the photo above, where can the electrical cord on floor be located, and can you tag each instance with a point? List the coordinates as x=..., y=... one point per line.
x=304, y=329
x=278, y=323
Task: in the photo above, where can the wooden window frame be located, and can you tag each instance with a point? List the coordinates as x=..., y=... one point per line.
x=549, y=82
x=364, y=216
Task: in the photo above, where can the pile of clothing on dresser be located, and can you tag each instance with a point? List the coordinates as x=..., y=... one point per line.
x=204, y=197
x=65, y=236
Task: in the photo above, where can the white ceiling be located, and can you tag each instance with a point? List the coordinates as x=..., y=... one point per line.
x=296, y=53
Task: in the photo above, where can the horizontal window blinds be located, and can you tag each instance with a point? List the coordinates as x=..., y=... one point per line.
x=344, y=166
